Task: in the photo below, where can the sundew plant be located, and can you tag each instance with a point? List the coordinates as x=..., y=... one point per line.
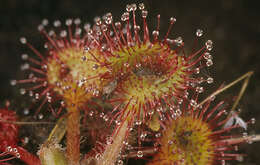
x=119, y=89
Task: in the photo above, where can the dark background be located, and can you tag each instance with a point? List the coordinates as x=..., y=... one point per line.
x=233, y=25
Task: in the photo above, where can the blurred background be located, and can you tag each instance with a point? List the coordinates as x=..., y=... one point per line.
x=233, y=25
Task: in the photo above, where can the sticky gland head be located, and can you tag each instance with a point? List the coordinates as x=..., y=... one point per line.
x=198, y=137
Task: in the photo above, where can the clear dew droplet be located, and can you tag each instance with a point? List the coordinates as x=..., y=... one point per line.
x=162, y=118
x=45, y=22
x=143, y=135
x=62, y=103
x=199, y=89
x=98, y=156
x=129, y=147
x=104, y=28
x=118, y=25
x=199, y=33
x=25, y=66
x=172, y=20
x=95, y=67
x=68, y=22
x=252, y=121
x=101, y=114
x=138, y=122
x=98, y=21
x=213, y=97
x=128, y=8
x=239, y=158
x=141, y=6
x=118, y=122
x=197, y=70
x=105, y=118
x=87, y=26
x=140, y=154
x=30, y=93
x=51, y=33
x=17, y=155
x=22, y=91
x=158, y=135
x=210, y=80
x=155, y=33
x=37, y=96
x=83, y=58
x=134, y=7
x=26, y=140
x=45, y=83
x=95, y=93
x=26, y=111
x=13, y=82
x=209, y=45
x=45, y=67
x=144, y=13
x=193, y=103
x=9, y=149
x=207, y=56
x=126, y=64
x=178, y=112
x=125, y=142
x=40, y=116
x=86, y=49
x=125, y=16
x=63, y=33
x=40, y=27
x=77, y=21
x=209, y=62
x=244, y=134
x=150, y=112
x=57, y=23
x=91, y=113
x=120, y=162
x=78, y=31
x=109, y=140
x=49, y=99
x=159, y=109
x=180, y=101
x=24, y=56
x=178, y=41
x=23, y=40
x=15, y=150
x=46, y=46
x=108, y=18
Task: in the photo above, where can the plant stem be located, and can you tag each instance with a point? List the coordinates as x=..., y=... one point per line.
x=245, y=76
x=112, y=151
x=73, y=136
x=250, y=139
